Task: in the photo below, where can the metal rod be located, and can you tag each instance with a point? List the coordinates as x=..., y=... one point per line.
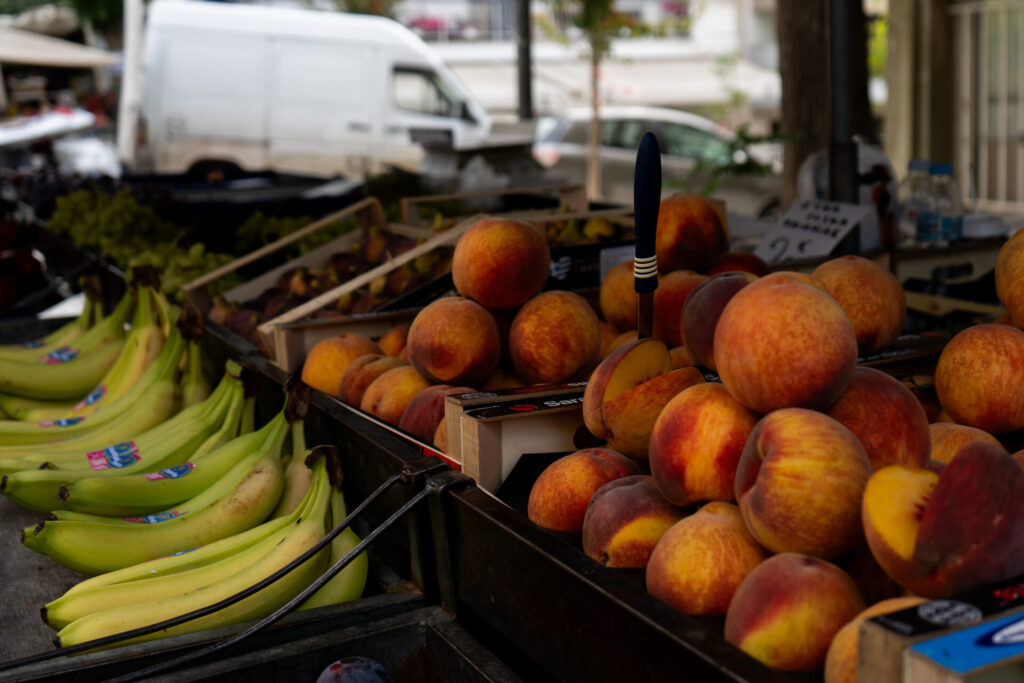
x=525, y=60
x=842, y=156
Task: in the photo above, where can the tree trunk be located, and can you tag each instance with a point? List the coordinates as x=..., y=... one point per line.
x=804, y=68
x=594, y=132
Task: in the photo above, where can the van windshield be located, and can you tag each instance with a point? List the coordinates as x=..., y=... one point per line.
x=420, y=90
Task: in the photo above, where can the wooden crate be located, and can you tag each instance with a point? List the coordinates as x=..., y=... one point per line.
x=572, y=197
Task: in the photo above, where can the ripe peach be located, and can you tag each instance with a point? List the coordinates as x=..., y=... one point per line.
x=625, y=520
x=787, y=610
x=440, y=440
x=696, y=444
x=625, y=368
x=781, y=343
x=393, y=341
x=974, y=375
x=327, y=361
x=501, y=263
x=425, y=411
x=554, y=337
x=608, y=335
x=618, y=298
x=669, y=299
x=629, y=418
x=561, y=494
x=739, y=261
x=885, y=416
x=360, y=374
x=1010, y=276
x=870, y=295
x=942, y=534
x=502, y=379
x=841, y=660
x=799, y=484
x=680, y=357
x=702, y=310
x=621, y=340
x=454, y=341
x=700, y=561
x=691, y=233
x=948, y=438
x=388, y=396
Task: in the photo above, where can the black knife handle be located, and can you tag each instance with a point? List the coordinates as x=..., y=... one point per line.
x=646, y=200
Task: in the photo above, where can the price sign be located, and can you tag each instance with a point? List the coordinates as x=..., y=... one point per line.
x=814, y=228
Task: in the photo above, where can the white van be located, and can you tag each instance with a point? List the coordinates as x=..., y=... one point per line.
x=267, y=88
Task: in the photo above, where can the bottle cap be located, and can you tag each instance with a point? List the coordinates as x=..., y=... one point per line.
x=919, y=165
x=942, y=169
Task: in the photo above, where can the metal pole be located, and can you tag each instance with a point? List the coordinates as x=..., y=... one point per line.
x=842, y=153
x=523, y=43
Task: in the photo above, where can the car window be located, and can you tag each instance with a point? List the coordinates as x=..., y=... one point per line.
x=421, y=91
x=608, y=133
x=630, y=133
x=685, y=141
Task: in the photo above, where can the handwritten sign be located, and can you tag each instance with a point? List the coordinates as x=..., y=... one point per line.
x=814, y=228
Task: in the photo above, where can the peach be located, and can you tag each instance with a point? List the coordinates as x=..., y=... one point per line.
x=872, y=581
x=425, y=411
x=621, y=340
x=739, y=261
x=923, y=389
x=948, y=438
x=629, y=418
x=841, y=659
x=669, y=299
x=1009, y=276
x=389, y=395
x=560, y=495
x=976, y=374
x=942, y=534
x=393, y=341
x=440, y=440
x=502, y=379
x=360, y=374
x=885, y=416
x=870, y=295
x=618, y=298
x=623, y=369
x=625, y=520
x=327, y=361
x=501, y=263
x=781, y=343
x=554, y=337
x=680, y=357
x=696, y=444
x=608, y=335
x=454, y=340
x=799, y=484
x=1019, y=457
x=700, y=561
x=702, y=310
x=788, y=609
x=691, y=233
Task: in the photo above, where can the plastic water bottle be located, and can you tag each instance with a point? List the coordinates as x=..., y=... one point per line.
x=912, y=196
x=948, y=203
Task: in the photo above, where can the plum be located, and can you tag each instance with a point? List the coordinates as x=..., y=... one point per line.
x=355, y=670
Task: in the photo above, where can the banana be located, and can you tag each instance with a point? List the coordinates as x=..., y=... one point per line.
x=162, y=447
x=142, y=347
x=194, y=386
x=297, y=475
x=157, y=579
x=145, y=493
x=280, y=549
x=248, y=422
x=243, y=498
x=19, y=434
x=349, y=583
x=69, y=372
x=63, y=336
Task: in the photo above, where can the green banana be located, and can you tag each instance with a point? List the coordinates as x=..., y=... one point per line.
x=349, y=583
x=153, y=580
x=280, y=549
x=69, y=372
x=297, y=475
x=162, y=447
x=142, y=347
x=145, y=493
x=248, y=422
x=65, y=335
x=194, y=386
x=15, y=435
x=243, y=498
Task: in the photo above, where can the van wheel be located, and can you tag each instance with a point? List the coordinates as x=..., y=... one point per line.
x=212, y=171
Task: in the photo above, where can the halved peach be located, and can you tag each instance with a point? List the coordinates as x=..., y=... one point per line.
x=626, y=367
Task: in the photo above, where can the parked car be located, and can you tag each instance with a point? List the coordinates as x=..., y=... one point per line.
x=691, y=146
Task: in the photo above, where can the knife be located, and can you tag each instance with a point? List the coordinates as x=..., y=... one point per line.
x=646, y=200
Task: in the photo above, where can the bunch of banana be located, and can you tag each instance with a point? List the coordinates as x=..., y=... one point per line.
x=62, y=337
x=240, y=499
x=69, y=372
x=156, y=388
x=168, y=587
x=162, y=451
x=143, y=345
